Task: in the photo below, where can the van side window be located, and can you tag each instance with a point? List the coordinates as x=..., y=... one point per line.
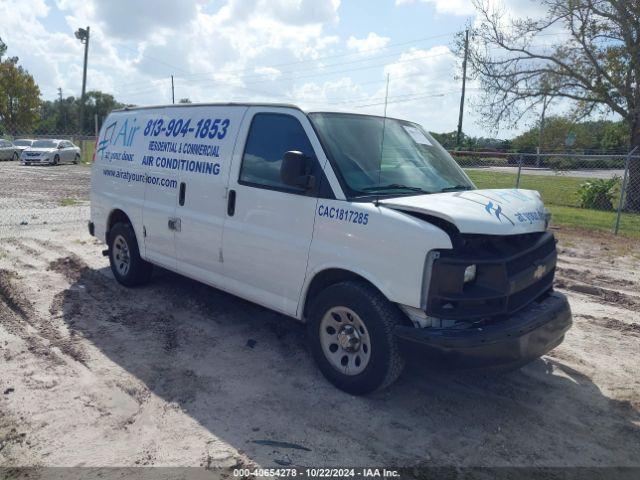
x=270, y=136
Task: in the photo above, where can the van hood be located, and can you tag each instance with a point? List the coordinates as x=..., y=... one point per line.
x=490, y=212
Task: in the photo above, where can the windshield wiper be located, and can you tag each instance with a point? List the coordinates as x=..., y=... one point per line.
x=456, y=187
x=393, y=186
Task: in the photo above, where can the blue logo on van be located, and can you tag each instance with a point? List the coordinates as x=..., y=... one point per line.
x=124, y=136
x=494, y=209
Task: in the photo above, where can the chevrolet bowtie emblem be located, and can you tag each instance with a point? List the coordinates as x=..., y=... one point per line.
x=539, y=272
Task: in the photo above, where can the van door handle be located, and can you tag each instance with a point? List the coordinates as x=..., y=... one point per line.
x=231, y=203
x=183, y=190
x=174, y=224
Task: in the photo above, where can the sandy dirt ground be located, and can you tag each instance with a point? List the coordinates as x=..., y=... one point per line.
x=180, y=374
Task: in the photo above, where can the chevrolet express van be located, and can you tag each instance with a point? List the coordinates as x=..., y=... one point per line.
x=361, y=226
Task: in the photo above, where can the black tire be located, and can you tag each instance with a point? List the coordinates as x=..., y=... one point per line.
x=138, y=271
x=76, y=159
x=56, y=160
x=15, y=156
x=379, y=316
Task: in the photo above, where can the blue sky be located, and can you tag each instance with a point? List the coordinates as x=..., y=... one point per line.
x=320, y=54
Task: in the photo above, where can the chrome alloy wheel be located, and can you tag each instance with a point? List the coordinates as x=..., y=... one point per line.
x=121, y=255
x=345, y=340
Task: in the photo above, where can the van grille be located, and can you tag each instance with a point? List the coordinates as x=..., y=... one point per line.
x=512, y=272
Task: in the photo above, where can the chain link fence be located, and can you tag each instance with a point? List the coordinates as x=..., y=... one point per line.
x=592, y=191
x=85, y=142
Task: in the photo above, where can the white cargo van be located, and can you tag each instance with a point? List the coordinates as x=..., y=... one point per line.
x=363, y=227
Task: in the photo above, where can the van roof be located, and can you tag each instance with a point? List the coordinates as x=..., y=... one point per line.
x=247, y=104
x=215, y=104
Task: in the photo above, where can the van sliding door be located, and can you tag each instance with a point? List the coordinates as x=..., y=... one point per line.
x=205, y=159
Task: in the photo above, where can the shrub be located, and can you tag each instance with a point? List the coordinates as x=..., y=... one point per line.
x=598, y=193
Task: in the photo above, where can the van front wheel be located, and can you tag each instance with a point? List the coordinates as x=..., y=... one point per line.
x=126, y=264
x=350, y=329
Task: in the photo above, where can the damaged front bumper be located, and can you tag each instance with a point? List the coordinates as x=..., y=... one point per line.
x=519, y=339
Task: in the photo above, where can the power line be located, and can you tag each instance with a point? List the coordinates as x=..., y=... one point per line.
x=298, y=62
x=408, y=99
x=259, y=78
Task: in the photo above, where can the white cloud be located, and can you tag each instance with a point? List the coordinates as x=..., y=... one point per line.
x=370, y=42
x=130, y=19
x=136, y=44
x=427, y=80
x=231, y=50
x=455, y=7
x=269, y=72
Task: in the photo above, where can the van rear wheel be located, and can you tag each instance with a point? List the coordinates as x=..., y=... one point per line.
x=124, y=257
x=350, y=329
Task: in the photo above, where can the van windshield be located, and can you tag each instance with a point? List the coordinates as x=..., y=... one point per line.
x=408, y=162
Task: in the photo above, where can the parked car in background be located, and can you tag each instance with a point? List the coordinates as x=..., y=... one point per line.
x=52, y=152
x=8, y=151
x=22, y=144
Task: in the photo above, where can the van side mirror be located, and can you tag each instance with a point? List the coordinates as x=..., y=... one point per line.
x=60, y=146
x=295, y=170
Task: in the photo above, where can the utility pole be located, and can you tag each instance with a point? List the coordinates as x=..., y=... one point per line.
x=173, y=92
x=540, y=131
x=62, y=112
x=83, y=34
x=464, y=85
x=386, y=96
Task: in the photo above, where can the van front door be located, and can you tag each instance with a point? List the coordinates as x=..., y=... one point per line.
x=269, y=225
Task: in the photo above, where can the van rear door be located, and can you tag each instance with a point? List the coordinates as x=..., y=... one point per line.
x=269, y=225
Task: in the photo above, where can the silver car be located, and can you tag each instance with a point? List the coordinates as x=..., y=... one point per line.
x=22, y=144
x=51, y=152
x=8, y=151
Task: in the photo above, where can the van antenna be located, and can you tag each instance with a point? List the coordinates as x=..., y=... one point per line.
x=384, y=125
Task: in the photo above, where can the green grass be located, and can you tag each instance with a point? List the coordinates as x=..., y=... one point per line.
x=87, y=147
x=555, y=189
x=560, y=197
x=594, y=220
x=68, y=202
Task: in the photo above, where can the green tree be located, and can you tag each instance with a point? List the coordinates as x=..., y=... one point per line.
x=585, y=52
x=100, y=104
x=19, y=97
x=590, y=137
x=61, y=116
x=58, y=117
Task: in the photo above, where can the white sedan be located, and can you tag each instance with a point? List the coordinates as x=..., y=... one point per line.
x=52, y=152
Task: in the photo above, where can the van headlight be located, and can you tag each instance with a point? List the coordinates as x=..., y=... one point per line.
x=470, y=273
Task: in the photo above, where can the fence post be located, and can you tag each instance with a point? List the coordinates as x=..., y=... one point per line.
x=622, y=189
x=519, y=171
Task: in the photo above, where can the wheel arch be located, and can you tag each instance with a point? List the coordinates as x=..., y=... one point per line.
x=117, y=215
x=327, y=277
